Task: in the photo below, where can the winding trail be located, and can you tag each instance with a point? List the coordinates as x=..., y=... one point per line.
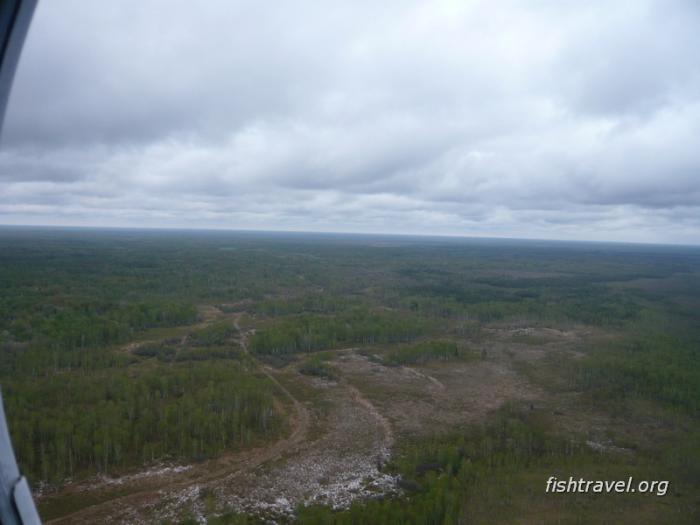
x=427, y=377
x=226, y=466
x=384, y=424
x=300, y=424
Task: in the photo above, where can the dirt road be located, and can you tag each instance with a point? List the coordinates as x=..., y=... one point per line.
x=148, y=489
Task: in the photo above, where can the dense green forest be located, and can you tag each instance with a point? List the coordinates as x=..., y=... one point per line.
x=109, y=361
x=312, y=333
x=425, y=352
x=110, y=420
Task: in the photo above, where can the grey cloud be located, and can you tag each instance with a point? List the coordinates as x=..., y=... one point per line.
x=558, y=121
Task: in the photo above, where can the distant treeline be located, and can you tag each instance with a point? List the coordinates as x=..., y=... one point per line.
x=424, y=352
x=308, y=333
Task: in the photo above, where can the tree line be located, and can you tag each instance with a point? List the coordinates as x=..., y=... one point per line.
x=68, y=425
x=309, y=333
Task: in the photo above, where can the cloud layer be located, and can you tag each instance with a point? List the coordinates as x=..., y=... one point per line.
x=559, y=120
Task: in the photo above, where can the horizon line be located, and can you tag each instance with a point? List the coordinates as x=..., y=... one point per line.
x=319, y=232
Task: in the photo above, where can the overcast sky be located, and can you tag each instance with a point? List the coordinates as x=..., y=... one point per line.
x=560, y=120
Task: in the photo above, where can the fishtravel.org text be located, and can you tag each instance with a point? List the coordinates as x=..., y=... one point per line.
x=581, y=485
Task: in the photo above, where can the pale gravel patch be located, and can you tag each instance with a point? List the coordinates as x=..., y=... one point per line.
x=338, y=468
x=607, y=447
x=152, y=472
x=102, y=481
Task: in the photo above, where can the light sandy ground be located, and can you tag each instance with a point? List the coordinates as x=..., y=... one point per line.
x=440, y=396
